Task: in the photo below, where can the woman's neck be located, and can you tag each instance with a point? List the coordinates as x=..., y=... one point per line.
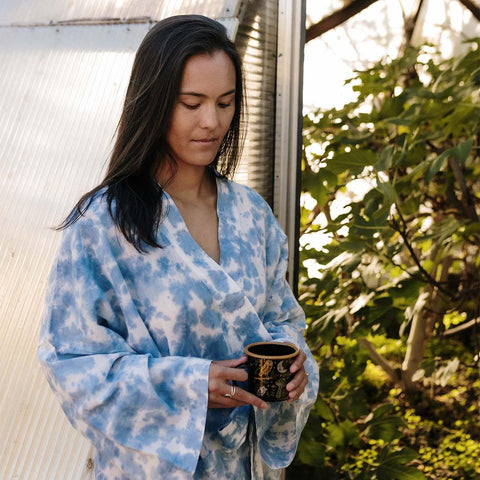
x=189, y=185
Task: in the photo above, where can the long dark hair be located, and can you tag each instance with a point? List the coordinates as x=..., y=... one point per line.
x=133, y=196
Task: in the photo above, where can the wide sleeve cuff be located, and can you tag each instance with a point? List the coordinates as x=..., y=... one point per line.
x=278, y=429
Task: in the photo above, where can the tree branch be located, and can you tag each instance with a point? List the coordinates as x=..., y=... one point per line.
x=463, y=326
x=379, y=360
x=317, y=210
x=468, y=4
x=410, y=24
x=336, y=18
x=467, y=200
x=423, y=272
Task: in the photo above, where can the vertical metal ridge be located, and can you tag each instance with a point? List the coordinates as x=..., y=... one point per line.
x=256, y=39
x=288, y=129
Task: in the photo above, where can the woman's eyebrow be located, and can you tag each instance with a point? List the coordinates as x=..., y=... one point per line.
x=196, y=94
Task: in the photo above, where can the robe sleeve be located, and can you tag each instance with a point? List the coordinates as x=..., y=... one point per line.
x=278, y=429
x=146, y=411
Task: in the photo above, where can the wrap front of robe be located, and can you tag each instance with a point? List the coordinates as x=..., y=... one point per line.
x=127, y=340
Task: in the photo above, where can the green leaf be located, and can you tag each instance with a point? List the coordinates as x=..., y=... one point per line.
x=328, y=177
x=436, y=165
x=441, y=230
x=364, y=228
x=388, y=192
x=319, y=193
x=352, y=264
x=385, y=160
x=336, y=436
x=314, y=185
x=393, y=465
x=398, y=472
x=324, y=410
x=351, y=245
x=355, y=161
x=343, y=435
x=406, y=291
x=384, y=316
x=417, y=172
x=355, y=139
x=383, y=424
x=372, y=201
x=462, y=150
x=325, y=327
x=428, y=367
x=389, y=198
x=350, y=433
x=311, y=453
x=399, y=457
x=353, y=404
x=399, y=121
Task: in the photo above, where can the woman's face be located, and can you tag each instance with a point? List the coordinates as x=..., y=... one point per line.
x=204, y=109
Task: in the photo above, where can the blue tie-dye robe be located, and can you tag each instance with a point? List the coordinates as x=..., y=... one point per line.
x=127, y=340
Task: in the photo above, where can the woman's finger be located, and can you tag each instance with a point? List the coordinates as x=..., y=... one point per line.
x=298, y=363
x=297, y=386
x=234, y=397
x=232, y=363
x=228, y=372
x=299, y=378
x=246, y=398
x=221, y=392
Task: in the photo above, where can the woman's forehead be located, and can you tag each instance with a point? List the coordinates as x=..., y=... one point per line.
x=205, y=73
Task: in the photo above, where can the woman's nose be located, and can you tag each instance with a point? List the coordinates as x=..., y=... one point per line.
x=209, y=117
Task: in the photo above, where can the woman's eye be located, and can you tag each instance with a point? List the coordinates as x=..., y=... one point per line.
x=225, y=105
x=191, y=107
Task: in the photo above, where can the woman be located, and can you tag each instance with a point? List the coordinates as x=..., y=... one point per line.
x=166, y=271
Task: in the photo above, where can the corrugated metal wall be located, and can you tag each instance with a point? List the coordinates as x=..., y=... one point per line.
x=65, y=66
x=28, y=12
x=257, y=39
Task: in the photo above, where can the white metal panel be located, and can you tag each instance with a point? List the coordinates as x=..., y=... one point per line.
x=61, y=89
x=27, y=12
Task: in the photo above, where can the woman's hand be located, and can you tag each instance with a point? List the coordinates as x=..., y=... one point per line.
x=221, y=392
x=297, y=386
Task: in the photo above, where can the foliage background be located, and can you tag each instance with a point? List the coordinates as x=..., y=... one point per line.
x=396, y=272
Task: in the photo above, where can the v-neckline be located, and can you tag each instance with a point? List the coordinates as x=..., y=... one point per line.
x=198, y=248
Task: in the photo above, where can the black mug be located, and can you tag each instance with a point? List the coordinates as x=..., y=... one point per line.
x=269, y=369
